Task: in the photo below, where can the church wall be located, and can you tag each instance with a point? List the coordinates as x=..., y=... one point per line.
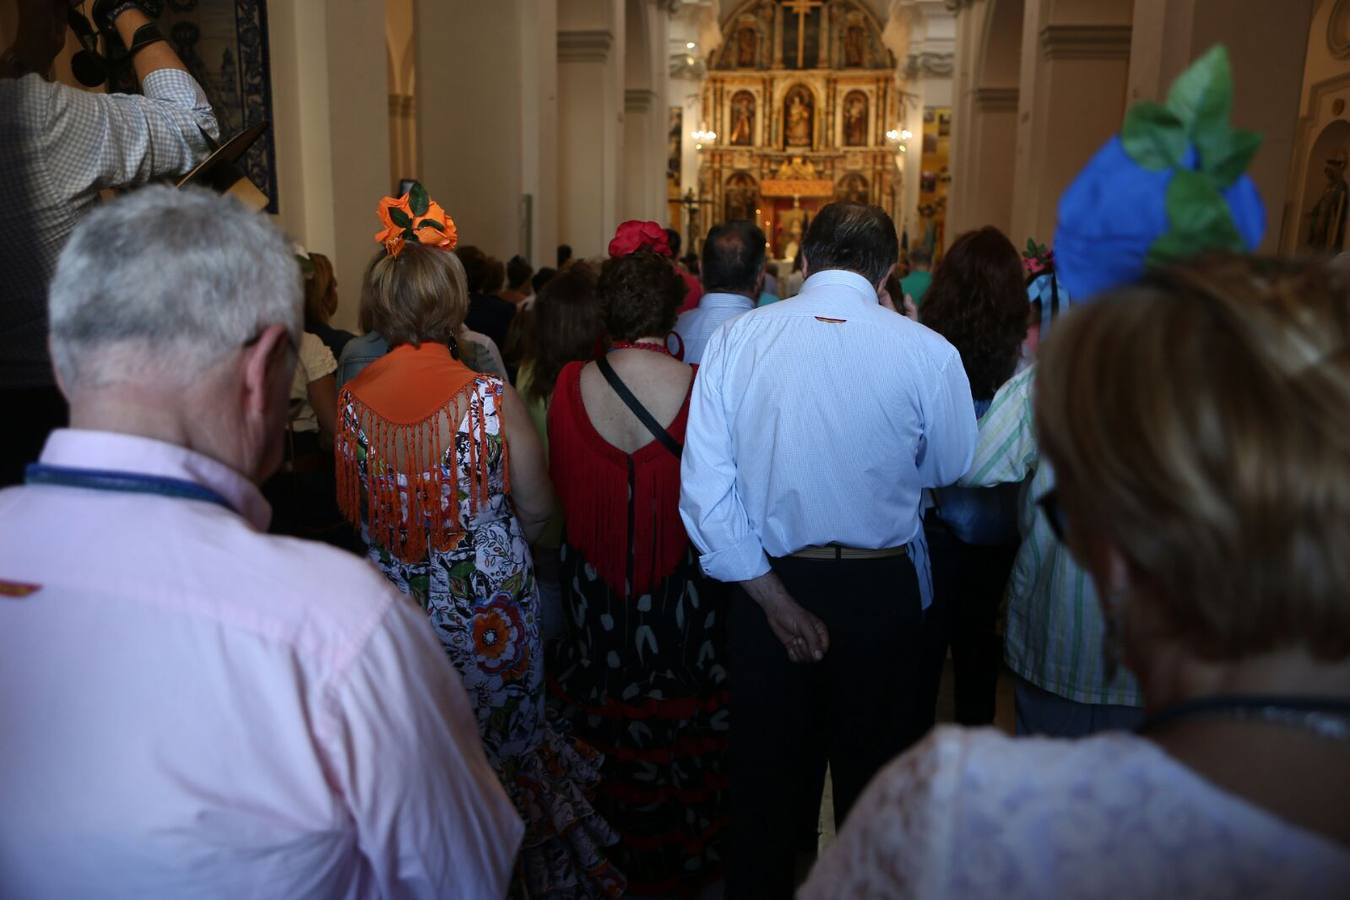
x=331, y=128
x=470, y=94
x=1071, y=98
x=590, y=122
x=1267, y=45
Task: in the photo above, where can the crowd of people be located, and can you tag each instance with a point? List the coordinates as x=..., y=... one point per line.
x=581, y=582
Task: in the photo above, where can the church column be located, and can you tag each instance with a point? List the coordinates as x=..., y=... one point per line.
x=590, y=122
x=777, y=36
x=646, y=24
x=1074, y=67
x=985, y=100
x=483, y=76
x=332, y=132
x=1267, y=44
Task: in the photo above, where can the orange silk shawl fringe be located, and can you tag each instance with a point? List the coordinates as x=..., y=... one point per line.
x=403, y=402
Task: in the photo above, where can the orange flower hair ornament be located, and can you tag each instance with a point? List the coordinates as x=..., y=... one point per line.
x=415, y=217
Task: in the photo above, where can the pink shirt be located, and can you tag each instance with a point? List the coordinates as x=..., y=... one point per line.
x=192, y=708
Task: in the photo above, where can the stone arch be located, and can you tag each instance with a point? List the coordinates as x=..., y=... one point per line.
x=1000, y=61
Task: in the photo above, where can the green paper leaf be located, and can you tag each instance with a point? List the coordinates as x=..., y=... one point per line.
x=1202, y=96
x=1224, y=158
x=431, y=223
x=1153, y=136
x=418, y=199
x=399, y=217
x=1200, y=220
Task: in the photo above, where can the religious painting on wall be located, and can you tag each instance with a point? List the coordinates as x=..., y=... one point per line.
x=1327, y=195
x=747, y=46
x=798, y=117
x=223, y=43
x=742, y=119
x=934, y=179
x=674, y=139
x=855, y=42
x=855, y=119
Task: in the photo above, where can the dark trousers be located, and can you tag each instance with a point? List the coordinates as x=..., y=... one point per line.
x=31, y=414
x=855, y=710
x=969, y=581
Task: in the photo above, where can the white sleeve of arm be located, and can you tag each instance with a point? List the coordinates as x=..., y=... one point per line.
x=96, y=141
x=709, y=503
x=431, y=817
x=950, y=429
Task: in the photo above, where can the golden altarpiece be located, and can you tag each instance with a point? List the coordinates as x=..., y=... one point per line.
x=801, y=94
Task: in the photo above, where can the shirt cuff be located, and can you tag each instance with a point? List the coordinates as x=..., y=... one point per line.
x=741, y=561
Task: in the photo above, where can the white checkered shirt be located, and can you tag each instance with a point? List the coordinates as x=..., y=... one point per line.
x=59, y=146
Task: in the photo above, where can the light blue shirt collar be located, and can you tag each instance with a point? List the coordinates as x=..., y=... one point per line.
x=857, y=284
x=720, y=300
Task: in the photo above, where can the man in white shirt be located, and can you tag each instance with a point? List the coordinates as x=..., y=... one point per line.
x=732, y=273
x=814, y=428
x=190, y=706
x=60, y=146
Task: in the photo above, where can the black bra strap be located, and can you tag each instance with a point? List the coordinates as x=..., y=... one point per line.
x=646, y=418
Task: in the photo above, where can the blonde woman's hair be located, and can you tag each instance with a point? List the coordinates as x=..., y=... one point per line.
x=1201, y=423
x=419, y=295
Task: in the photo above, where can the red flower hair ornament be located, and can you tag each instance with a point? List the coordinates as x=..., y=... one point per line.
x=635, y=235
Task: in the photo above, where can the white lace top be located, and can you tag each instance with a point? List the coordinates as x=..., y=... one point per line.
x=975, y=813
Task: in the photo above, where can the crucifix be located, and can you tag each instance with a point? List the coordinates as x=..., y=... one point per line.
x=691, y=206
x=803, y=9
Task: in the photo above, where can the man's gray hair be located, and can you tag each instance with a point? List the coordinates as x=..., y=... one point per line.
x=163, y=283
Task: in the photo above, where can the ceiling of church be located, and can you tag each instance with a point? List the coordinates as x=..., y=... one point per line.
x=878, y=8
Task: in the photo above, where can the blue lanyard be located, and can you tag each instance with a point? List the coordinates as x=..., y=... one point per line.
x=126, y=482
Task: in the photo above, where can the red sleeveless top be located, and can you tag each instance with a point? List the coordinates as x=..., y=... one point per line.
x=622, y=510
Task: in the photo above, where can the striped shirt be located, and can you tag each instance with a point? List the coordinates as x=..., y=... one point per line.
x=1053, y=636
x=60, y=146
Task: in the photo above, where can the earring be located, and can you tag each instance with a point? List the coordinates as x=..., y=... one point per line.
x=1111, y=628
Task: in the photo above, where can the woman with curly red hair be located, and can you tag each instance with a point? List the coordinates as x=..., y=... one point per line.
x=640, y=665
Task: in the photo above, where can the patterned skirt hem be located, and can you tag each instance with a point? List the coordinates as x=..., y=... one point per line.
x=563, y=853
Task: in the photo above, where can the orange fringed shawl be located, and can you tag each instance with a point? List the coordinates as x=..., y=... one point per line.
x=404, y=403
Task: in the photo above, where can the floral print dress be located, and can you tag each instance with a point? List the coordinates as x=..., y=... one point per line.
x=483, y=603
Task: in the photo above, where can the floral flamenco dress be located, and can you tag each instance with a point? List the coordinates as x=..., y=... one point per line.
x=640, y=670
x=423, y=471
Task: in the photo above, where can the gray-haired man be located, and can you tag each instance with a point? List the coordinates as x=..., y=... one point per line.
x=190, y=704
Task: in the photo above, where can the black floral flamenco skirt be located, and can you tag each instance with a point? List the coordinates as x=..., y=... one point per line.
x=642, y=680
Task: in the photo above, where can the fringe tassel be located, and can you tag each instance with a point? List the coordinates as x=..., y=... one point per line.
x=593, y=490
x=424, y=513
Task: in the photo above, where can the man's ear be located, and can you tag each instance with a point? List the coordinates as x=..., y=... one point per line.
x=806, y=267
x=759, y=282
x=262, y=359
x=881, y=285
